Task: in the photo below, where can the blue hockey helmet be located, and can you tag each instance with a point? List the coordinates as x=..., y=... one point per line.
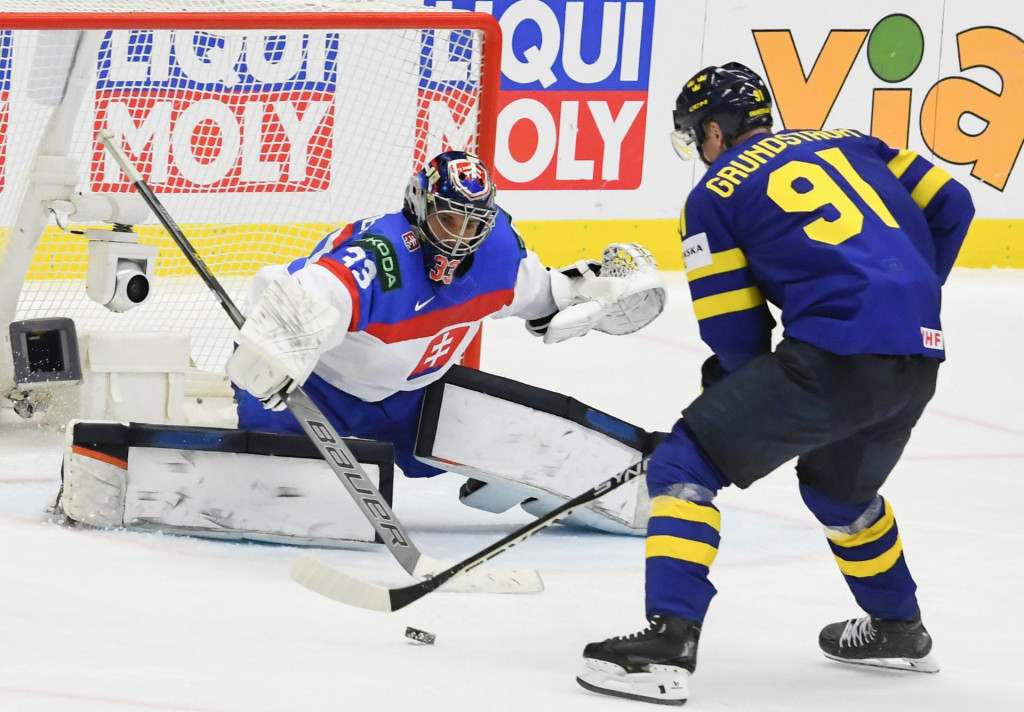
x=451, y=202
x=733, y=95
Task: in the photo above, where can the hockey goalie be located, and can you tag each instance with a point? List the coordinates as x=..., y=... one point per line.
x=374, y=320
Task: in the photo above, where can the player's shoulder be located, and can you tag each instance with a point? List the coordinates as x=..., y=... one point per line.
x=388, y=237
x=391, y=228
x=505, y=237
x=381, y=252
x=700, y=205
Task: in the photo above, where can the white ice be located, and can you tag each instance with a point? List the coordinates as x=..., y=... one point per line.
x=107, y=621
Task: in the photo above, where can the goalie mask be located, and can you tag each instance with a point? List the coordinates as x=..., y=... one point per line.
x=733, y=95
x=451, y=202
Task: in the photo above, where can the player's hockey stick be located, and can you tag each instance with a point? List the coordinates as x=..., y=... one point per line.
x=338, y=456
x=336, y=584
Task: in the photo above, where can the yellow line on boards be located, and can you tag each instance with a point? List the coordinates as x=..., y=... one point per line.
x=239, y=250
x=990, y=243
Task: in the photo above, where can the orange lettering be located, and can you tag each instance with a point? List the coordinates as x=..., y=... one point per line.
x=890, y=116
x=994, y=149
x=804, y=101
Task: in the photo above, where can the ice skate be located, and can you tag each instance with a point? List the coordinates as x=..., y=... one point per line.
x=894, y=644
x=653, y=665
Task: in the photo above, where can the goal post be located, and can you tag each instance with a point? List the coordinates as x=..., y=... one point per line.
x=261, y=124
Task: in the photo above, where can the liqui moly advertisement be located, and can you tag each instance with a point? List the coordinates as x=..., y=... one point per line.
x=225, y=111
x=575, y=77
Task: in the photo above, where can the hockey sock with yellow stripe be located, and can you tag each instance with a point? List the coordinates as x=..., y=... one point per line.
x=682, y=542
x=869, y=553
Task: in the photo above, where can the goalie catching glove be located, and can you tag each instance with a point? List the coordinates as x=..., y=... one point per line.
x=281, y=341
x=619, y=295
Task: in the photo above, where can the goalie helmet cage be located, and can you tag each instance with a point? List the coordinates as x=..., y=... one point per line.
x=262, y=125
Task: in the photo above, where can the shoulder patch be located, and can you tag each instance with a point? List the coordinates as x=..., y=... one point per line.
x=412, y=243
x=696, y=252
x=388, y=271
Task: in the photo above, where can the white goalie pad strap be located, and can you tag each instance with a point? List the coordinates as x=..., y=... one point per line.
x=287, y=328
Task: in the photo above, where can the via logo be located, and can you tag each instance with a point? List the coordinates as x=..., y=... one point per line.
x=961, y=120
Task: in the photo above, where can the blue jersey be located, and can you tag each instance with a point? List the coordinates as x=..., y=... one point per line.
x=850, y=239
x=403, y=330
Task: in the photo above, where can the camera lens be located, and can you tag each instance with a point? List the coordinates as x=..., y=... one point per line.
x=137, y=289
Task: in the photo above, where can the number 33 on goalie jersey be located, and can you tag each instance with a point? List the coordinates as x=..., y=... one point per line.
x=400, y=331
x=849, y=238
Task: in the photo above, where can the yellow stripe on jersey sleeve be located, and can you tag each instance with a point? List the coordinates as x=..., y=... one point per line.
x=725, y=261
x=727, y=302
x=929, y=185
x=902, y=162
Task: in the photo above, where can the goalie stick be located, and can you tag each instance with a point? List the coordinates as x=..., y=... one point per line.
x=331, y=446
x=338, y=585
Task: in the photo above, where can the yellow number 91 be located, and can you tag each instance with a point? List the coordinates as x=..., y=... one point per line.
x=826, y=191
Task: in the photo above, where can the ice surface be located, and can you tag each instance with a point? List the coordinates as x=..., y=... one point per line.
x=94, y=621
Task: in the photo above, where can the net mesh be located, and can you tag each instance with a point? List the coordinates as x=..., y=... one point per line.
x=258, y=142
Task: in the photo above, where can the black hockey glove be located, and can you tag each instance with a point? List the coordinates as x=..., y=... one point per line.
x=711, y=372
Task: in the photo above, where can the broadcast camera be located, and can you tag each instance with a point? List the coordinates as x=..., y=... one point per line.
x=120, y=271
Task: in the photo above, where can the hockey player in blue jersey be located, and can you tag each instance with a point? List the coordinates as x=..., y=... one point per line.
x=386, y=305
x=852, y=241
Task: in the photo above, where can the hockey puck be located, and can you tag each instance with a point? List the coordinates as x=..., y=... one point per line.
x=419, y=636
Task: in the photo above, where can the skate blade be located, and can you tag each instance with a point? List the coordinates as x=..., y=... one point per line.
x=660, y=684
x=925, y=664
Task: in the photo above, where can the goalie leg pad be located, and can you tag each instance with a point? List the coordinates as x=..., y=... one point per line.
x=532, y=444
x=222, y=484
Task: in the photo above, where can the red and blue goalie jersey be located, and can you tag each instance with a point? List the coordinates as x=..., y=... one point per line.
x=850, y=239
x=400, y=330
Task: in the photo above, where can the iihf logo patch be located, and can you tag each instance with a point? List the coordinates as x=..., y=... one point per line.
x=470, y=178
x=932, y=339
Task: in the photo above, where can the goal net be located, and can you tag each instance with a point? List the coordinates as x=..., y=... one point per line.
x=261, y=125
